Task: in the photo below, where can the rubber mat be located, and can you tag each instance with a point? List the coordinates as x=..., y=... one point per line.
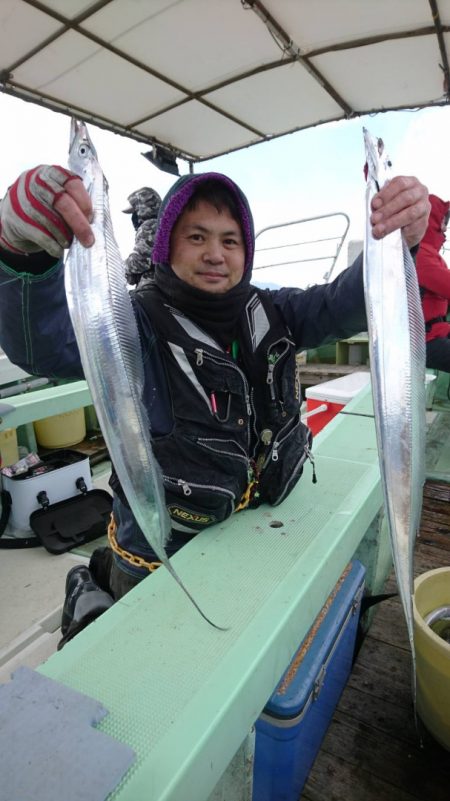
x=48, y=748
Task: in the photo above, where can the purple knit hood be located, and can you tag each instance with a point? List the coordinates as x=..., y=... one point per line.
x=176, y=200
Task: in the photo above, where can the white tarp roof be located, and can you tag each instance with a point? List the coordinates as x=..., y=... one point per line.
x=205, y=77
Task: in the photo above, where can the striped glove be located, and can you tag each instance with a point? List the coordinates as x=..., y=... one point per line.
x=28, y=221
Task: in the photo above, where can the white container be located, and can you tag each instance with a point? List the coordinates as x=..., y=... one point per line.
x=333, y=395
x=340, y=390
x=58, y=484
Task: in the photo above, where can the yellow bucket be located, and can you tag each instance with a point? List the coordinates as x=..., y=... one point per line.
x=432, y=590
x=61, y=430
x=9, y=449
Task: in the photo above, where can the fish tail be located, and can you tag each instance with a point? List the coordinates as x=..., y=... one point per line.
x=175, y=575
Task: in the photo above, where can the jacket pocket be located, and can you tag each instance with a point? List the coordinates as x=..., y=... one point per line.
x=204, y=478
x=284, y=465
x=193, y=506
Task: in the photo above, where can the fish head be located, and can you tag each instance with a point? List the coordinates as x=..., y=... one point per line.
x=82, y=153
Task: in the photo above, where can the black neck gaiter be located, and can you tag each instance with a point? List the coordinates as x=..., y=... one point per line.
x=217, y=314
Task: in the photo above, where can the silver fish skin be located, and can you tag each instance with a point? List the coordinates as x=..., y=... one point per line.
x=397, y=366
x=108, y=340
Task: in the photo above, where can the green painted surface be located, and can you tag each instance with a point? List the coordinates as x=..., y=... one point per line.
x=183, y=694
x=236, y=783
x=438, y=447
x=32, y=406
x=344, y=349
x=438, y=435
x=326, y=354
x=27, y=437
x=441, y=399
x=92, y=423
x=374, y=552
x=361, y=405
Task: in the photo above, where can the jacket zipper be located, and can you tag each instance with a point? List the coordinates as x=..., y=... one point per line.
x=274, y=456
x=203, y=441
x=273, y=360
x=279, y=440
x=202, y=355
x=305, y=455
x=187, y=486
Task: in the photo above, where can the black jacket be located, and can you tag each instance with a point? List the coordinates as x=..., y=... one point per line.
x=237, y=438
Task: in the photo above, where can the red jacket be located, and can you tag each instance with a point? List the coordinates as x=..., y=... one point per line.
x=432, y=271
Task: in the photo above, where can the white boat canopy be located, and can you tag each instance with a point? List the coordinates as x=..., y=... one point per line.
x=206, y=77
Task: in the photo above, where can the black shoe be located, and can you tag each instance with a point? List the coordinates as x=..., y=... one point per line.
x=100, y=567
x=84, y=601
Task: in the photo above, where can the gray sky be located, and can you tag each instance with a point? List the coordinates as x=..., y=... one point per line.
x=314, y=172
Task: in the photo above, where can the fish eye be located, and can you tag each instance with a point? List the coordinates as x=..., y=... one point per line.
x=83, y=150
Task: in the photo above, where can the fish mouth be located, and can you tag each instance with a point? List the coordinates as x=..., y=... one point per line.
x=79, y=134
x=75, y=126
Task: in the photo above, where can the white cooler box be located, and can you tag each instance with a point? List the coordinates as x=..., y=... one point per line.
x=333, y=396
x=63, y=474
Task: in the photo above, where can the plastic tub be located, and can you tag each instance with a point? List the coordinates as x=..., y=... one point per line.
x=64, y=469
x=335, y=394
x=61, y=430
x=9, y=449
x=432, y=590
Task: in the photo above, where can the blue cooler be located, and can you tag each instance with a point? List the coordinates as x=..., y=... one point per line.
x=294, y=722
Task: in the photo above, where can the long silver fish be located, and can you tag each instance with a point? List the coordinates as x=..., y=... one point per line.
x=397, y=366
x=108, y=339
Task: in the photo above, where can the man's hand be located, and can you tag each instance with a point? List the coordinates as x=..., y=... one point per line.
x=402, y=203
x=43, y=210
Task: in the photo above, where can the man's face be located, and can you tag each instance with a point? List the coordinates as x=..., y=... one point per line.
x=207, y=249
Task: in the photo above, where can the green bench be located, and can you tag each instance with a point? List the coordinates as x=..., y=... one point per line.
x=19, y=410
x=185, y=695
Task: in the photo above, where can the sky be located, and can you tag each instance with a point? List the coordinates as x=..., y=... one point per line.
x=314, y=172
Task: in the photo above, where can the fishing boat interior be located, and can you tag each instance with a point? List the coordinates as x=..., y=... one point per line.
x=305, y=692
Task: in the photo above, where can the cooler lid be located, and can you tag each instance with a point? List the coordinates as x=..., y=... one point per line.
x=297, y=683
x=339, y=390
x=48, y=462
x=72, y=522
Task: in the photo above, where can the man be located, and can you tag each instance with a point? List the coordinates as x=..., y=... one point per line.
x=221, y=388
x=144, y=205
x=434, y=280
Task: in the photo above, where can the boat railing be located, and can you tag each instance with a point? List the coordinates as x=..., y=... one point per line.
x=299, y=247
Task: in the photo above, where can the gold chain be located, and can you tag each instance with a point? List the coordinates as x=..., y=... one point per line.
x=246, y=497
x=138, y=561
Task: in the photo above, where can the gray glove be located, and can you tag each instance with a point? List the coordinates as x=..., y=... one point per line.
x=28, y=221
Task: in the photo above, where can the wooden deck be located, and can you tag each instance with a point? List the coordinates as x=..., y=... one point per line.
x=316, y=373
x=371, y=751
